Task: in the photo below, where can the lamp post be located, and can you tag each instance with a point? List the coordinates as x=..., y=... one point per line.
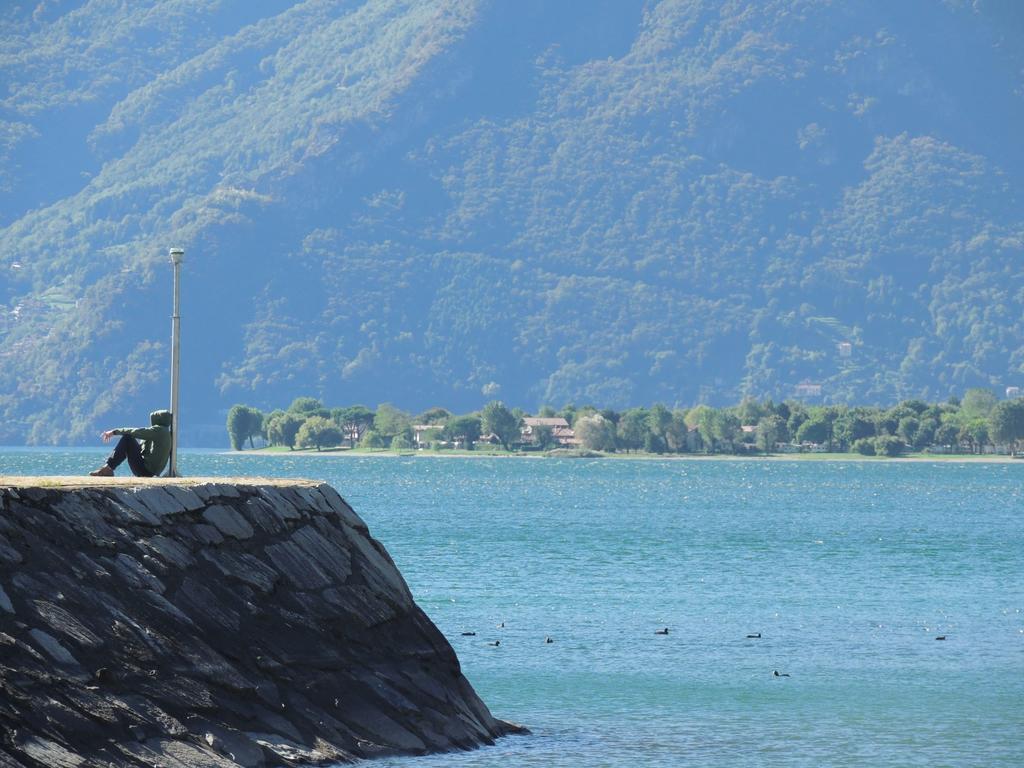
x=177, y=257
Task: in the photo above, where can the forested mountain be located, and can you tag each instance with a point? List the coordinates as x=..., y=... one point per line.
x=598, y=201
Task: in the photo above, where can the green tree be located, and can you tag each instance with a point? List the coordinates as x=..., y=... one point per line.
x=463, y=429
x=244, y=423
x=917, y=406
x=659, y=419
x=568, y=413
x=596, y=433
x=701, y=418
x=238, y=425
x=797, y=416
x=888, y=445
x=282, y=428
x=544, y=437
x=653, y=443
x=319, y=432
x=1006, y=423
x=726, y=429
x=865, y=446
x=677, y=432
x=269, y=420
x=353, y=421
x=498, y=420
x=815, y=429
x=783, y=410
x=907, y=429
x=401, y=442
x=372, y=440
x=769, y=430
x=308, y=406
x=633, y=428
x=437, y=416
x=853, y=425
x=975, y=434
x=886, y=422
x=925, y=434
x=978, y=403
x=750, y=411
x=947, y=435
x=546, y=412
x=432, y=436
x=390, y=421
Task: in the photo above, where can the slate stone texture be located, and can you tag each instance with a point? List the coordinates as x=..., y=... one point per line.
x=214, y=624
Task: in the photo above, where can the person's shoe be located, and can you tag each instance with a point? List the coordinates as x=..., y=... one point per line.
x=104, y=471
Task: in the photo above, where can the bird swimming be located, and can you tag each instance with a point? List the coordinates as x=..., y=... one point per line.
x=496, y=643
x=776, y=673
x=548, y=640
x=469, y=634
x=661, y=631
x=941, y=637
x=754, y=636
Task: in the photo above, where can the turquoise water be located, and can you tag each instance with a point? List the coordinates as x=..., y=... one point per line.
x=848, y=570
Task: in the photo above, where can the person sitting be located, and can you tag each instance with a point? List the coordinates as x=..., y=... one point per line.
x=147, y=460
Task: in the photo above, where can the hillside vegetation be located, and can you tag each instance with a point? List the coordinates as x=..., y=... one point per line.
x=613, y=202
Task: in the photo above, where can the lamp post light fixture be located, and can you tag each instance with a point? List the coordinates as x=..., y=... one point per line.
x=177, y=257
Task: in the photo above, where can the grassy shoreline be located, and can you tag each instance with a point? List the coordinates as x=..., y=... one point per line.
x=639, y=456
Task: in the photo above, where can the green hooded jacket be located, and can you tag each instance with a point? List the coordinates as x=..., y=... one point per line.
x=156, y=447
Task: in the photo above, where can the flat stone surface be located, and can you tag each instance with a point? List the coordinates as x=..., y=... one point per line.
x=362, y=602
x=230, y=523
x=292, y=751
x=9, y=762
x=311, y=498
x=245, y=568
x=164, y=605
x=8, y=554
x=259, y=512
x=172, y=552
x=211, y=489
x=278, y=502
x=185, y=496
x=203, y=606
x=152, y=715
x=207, y=534
x=51, y=754
x=381, y=572
x=295, y=564
x=341, y=508
x=177, y=754
x=234, y=745
x=384, y=729
x=53, y=648
x=332, y=559
x=159, y=501
x=64, y=623
x=88, y=518
x=132, y=571
x=131, y=509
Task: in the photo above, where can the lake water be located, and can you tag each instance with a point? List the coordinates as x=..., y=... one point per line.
x=849, y=571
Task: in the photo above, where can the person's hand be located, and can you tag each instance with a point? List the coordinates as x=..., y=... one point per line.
x=107, y=435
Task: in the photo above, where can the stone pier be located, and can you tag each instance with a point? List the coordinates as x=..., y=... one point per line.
x=213, y=622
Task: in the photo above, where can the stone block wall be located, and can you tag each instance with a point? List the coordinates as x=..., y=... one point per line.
x=207, y=623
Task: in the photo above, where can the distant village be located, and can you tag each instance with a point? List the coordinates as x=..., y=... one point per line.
x=981, y=422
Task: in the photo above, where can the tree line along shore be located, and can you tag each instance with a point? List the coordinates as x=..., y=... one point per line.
x=978, y=423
